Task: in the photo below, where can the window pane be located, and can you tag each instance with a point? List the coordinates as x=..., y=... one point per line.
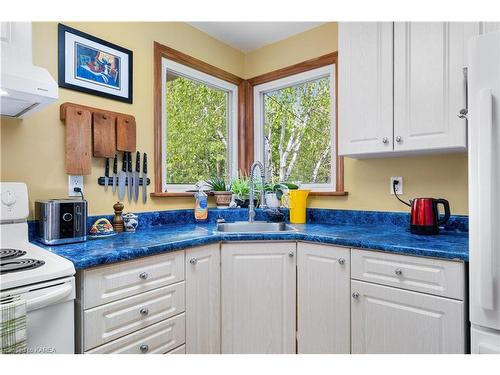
x=197, y=131
x=297, y=133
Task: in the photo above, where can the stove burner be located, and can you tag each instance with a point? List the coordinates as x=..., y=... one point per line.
x=16, y=265
x=11, y=253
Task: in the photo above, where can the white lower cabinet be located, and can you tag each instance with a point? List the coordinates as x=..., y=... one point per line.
x=391, y=320
x=203, y=300
x=258, y=297
x=273, y=297
x=159, y=338
x=323, y=299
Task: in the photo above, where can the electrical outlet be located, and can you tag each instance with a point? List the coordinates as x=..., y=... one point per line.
x=399, y=186
x=73, y=182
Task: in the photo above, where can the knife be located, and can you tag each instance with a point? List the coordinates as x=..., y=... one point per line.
x=145, y=178
x=129, y=176
x=136, y=175
x=106, y=175
x=115, y=171
x=122, y=177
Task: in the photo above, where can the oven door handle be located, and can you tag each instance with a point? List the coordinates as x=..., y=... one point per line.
x=49, y=298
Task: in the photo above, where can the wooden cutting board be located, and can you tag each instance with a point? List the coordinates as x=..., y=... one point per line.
x=78, y=158
x=125, y=133
x=104, y=135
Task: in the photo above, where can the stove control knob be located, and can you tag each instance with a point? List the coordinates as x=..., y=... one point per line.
x=8, y=198
x=67, y=216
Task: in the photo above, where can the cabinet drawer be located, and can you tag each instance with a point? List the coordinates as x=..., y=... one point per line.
x=110, y=283
x=109, y=322
x=180, y=350
x=156, y=339
x=433, y=276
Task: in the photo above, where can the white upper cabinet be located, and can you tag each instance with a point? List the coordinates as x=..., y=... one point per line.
x=429, y=85
x=258, y=297
x=426, y=68
x=365, y=87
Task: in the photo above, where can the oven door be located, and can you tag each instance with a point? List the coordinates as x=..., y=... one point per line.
x=50, y=316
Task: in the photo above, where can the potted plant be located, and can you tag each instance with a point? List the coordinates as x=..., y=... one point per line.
x=221, y=191
x=241, y=189
x=274, y=193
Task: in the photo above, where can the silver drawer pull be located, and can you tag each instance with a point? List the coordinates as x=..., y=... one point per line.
x=144, y=311
x=355, y=295
x=143, y=275
x=290, y=254
x=385, y=140
x=193, y=261
x=398, y=271
x=399, y=139
x=144, y=348
x=342, y=261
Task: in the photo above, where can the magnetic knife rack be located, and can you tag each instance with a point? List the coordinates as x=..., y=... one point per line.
x=100, y=181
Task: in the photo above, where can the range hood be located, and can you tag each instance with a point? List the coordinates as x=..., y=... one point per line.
x=24, y=88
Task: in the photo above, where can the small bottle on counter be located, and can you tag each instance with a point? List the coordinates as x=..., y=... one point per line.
x=201, y=204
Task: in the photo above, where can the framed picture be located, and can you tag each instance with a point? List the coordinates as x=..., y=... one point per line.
x=94, y=66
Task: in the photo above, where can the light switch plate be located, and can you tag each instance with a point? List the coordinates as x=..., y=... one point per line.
x=73, y=182
x=399, y=187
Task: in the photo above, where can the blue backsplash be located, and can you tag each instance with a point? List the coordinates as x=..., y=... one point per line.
x=457, y=223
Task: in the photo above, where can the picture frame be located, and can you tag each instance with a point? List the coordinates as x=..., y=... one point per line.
x=94, y=66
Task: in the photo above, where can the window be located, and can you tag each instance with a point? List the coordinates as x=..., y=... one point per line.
x=294, y=128
x=199, y=127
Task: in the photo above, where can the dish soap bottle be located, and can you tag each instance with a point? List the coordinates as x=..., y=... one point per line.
x=201, y=204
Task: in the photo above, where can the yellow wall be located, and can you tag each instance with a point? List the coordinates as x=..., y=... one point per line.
x=32, y=150
x=367, y=181
x=304, y=46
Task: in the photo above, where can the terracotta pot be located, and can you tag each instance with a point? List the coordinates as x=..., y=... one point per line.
x=222, y=198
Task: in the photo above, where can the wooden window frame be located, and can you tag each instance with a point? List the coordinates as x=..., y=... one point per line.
x=161, y=52
x=329, y=59
x=245, y=110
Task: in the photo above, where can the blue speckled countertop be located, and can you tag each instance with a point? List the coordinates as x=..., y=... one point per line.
x=173, y=230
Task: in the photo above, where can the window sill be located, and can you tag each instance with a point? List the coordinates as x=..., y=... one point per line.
x=190, y=194
x=328, y=193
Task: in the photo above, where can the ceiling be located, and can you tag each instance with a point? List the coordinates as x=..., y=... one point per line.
x=248, y=36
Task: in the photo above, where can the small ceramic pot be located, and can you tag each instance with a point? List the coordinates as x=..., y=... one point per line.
x=222, y=198
x=272, y=200
x=130, y=222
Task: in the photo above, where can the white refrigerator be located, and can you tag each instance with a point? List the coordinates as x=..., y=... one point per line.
x=484, y=192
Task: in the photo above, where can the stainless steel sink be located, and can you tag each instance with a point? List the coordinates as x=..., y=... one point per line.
x=254, y=227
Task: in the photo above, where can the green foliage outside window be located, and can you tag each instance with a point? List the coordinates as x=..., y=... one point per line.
x=297, y=132
x=197, y=131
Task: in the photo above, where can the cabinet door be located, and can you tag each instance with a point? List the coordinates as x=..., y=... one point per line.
x=323, y=314
x=203, y=300
x=429, y=85
x=489, y=27
x=258, y=297
x=390, y=320
x=365, y=88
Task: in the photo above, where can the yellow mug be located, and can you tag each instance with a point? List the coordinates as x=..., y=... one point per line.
x=298, y=204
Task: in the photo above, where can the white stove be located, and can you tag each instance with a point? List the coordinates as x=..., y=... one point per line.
x=44, y=280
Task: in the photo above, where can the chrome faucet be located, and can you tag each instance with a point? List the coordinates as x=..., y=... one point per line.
x=251, y=207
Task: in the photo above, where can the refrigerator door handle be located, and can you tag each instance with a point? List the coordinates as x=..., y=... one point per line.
x=485, y=159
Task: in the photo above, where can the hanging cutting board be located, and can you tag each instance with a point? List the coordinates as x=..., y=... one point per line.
x=125, y=133
x=78, y=158
x=104, y=135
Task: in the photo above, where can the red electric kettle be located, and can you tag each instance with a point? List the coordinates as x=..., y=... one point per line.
x=424, y=216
